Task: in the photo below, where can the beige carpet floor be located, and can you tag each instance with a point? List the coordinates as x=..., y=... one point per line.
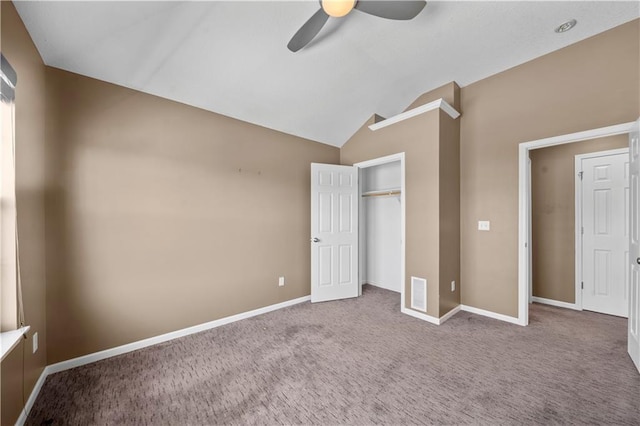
x=361, y=361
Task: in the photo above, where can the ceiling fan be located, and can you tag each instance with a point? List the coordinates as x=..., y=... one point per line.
x=401, y=10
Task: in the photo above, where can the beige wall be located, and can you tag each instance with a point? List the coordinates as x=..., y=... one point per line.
x=449, y=212
x=163, y=216
x=30, y=192
x=450, y=92
x=591, y=84
x=553, y=215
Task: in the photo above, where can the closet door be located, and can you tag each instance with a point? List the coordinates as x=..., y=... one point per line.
x=334, y=232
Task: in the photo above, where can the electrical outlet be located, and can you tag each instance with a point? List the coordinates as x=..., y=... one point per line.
x=453, y=286
x=281, y=282
x=34, y=342
x=484, y=225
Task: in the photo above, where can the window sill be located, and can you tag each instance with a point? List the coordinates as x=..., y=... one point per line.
x=10, y=339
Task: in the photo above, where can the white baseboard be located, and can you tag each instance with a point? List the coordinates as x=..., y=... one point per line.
x=556, y=303
x=450, y=314
x=32, y=398
x=421, y=316
x=369, y=282
x=119, y=350
x=501, y=317
x=429, y=318
x=445, y=317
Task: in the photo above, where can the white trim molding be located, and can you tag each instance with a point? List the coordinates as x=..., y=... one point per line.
x=524, y=188
x=429, y=318
x=556, y=303
x=380, y=160
x=618, y=129
x=420, y=316
x=489, y=314
x=32, y=398
x=130, y=347
x=439, y=103
x=577, y=234
x=452, y=312
x=378, y=285
x=449, y=314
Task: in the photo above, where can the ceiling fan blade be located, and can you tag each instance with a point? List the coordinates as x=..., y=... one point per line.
x=308, y=31
x=400, y=10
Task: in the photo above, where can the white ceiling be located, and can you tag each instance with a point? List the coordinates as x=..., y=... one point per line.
x=231, y=57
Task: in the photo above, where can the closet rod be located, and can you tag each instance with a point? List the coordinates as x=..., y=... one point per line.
x=382, y=193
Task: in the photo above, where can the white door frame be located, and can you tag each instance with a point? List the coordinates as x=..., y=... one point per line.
x=376, y=162
x=524, y=206
x=578, y=218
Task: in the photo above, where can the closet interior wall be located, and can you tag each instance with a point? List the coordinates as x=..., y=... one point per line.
x=382, y=226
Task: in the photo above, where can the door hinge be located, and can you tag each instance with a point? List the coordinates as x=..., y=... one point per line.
x=580, y=175
x=582, y=230
x=582, y=285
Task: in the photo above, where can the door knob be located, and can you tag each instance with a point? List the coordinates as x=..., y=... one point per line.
x=638, y=260
x=315, y=240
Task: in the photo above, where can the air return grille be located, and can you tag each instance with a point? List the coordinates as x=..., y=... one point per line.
x=419, y=294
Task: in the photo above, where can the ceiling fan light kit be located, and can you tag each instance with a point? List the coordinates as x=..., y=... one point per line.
x=400, y=10
x=337, y=8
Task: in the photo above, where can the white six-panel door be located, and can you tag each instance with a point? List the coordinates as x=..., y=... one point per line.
x=634, y=246
x=605, y=243
x=334, y=232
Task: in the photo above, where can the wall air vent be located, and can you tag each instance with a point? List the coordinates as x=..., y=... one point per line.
x=419, y=294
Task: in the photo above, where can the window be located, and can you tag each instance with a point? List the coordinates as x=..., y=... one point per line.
x=11, y=315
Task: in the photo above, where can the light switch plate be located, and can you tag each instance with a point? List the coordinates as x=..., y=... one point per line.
x=484, y=225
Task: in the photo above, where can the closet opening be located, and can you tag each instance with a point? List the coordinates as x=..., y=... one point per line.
x=382, y=223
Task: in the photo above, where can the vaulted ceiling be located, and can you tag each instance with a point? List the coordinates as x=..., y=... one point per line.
x=231, y=57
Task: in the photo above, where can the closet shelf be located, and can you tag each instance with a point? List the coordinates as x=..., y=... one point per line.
x=439, y=103
x=382, y=193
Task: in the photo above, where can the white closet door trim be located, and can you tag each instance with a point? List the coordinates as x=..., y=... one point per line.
x=383, y=160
